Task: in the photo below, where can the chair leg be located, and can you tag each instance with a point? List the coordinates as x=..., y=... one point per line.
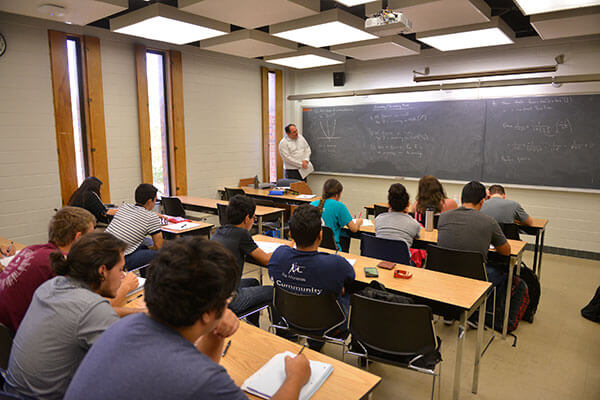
x=433, y=387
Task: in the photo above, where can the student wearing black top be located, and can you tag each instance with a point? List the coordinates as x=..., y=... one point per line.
x=88, y=196
x=235, y=236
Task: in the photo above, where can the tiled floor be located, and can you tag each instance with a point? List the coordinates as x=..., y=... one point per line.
x=556, y=357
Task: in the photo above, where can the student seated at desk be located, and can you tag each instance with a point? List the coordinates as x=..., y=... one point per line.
x=88, y=196
x=335, y=214
x=133, y=222
x=235, y=236
x=468, y=229
x=174, y=351
x=305, y=270
x=66, y=316
x=503, y=210
x=431, y=195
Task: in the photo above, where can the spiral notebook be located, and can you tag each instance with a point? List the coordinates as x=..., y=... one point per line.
x=266, y=381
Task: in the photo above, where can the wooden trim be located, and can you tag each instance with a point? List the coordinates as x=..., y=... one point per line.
x=95, y=113
x=63, y=119
x=177, y=125
x=279, y=118
x=143, y=113
x=264, y=74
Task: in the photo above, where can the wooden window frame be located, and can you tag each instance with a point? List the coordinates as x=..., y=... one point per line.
x=265, y=119
x=93, y=112
x=174, y=114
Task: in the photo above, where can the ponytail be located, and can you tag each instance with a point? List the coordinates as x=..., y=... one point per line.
x=60, y=264
x=331, y=188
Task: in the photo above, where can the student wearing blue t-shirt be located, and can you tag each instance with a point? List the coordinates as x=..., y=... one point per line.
x=335, y=214
x=173, y=352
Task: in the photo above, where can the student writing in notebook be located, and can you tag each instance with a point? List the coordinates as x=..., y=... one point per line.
x=173, y=352
x=88, y=196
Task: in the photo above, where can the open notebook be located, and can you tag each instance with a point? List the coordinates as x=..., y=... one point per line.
x=266, y=381
x=141, y=282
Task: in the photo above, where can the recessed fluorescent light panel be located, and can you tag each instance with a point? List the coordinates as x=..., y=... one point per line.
x=352, y=3
x=307, y=57
x=543, y=6
x=493, y=33
x=167, y=24
x=325, y=29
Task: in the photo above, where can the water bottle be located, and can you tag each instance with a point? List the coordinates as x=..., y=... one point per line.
x=429, y=220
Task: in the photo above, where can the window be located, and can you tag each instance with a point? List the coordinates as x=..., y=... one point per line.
x=77, y=109
x=272, y=104
x=159, y=138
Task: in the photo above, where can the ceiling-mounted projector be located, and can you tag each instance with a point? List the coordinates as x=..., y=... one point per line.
x=388, y=22
x=52, y=10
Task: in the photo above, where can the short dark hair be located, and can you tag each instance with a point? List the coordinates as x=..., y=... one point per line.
x=189, y=277
x=239, y=207
x=305, y=225
x=87, y=255
x=497, y=189
x=288, y=126
x=398, y=197
x=145, y=192
x=473, y=193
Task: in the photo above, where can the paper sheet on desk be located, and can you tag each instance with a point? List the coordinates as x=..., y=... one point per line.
x=6, y=260
x=366, y=222
x=268, y=247
x=304, y=172
x=351, y=261
x=181, y=226
x=306, y=196
x=141, y=282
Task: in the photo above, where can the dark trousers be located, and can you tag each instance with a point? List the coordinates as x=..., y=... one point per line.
x=293, y=174
x=250, y=295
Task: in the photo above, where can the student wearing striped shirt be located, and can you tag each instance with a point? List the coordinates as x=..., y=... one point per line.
x=134, y=222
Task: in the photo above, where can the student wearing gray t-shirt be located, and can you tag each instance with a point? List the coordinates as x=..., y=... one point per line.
x=503, y=210
x=397, y=224
x=66, y=316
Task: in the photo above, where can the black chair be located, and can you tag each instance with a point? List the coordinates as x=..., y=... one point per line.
x=173, y=206
x=310, y=316
x=384, y=249
x=420, y=217
x=511, y=231
x=256, y=309
x=380, y=210
x=6, y=338
x=230, y=192
x=328, y=240
x=222, y=211
x=398, y=334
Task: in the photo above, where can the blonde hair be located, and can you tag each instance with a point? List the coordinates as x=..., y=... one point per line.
x=65, y=224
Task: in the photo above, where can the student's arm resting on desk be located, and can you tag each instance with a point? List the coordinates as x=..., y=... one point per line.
x=129, y=283
x=355, y=226
x=4, y=250
x=157, y=238
x=297, y=371
x=504, y=249
x=211, y=344
x=522, y=216
x=499, y=240
x=259, y=255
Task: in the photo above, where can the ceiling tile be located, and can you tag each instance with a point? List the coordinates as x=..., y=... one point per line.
x=78, y=12
x=387, y=47
x=251, y=13
x=249, y=44
x=569, y=23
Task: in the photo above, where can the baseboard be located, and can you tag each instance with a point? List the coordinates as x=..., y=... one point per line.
x=589, y=255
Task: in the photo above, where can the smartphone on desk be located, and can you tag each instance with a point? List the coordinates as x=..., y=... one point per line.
x=371, y=272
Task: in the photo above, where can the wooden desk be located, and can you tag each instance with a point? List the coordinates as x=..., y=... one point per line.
x=264, y=193
x=202, y=230
x=461, y=294
x=538, y=229
x=210, y=206
x=252, y=347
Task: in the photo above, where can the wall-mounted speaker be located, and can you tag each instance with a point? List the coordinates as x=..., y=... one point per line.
x=339, y=78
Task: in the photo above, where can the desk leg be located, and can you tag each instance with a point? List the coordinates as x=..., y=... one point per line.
x=459, y=349
x=282, y=230
x=260, y=222
x=539, y=266
x=511, y=268
x=480, y=326
x=536, y=249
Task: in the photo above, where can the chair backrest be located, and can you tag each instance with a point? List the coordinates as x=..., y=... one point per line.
x=468, y=264
x=264, y=202
x=7, y=396
x=300, y=311
x=5, y=345
x=395, y=328
x=384, y=249
x=328, y=240
x=285, y=182
x=249, y=182
x=222, y=211
x=173, y=207
x=230, y=192
x=301, y=187
x=380, y=209
x=511, y=231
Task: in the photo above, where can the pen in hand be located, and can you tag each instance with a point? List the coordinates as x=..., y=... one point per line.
x=135, y=298
x=301, y=350
x=226, y=348
x=10, y=246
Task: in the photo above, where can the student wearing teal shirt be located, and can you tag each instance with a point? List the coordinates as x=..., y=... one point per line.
x=335, y=214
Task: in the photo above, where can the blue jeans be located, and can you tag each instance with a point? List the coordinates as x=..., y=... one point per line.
x=496, y=273
x=141, y=256
x=249, y=295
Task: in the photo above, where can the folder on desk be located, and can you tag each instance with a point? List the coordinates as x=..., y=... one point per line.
x=276, y=192
x=266, y=381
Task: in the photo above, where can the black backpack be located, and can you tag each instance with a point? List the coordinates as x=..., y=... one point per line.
x=592, y=310
x=534, y=291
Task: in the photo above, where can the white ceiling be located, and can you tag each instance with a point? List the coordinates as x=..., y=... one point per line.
x=78, y=12
x=568, y=23
x=391, y=46
x=249, y=44
x=251, y=13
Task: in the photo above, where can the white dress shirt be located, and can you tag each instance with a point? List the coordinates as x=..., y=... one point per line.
x=293, y=152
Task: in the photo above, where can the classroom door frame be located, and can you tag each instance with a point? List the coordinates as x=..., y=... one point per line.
x=265, y=120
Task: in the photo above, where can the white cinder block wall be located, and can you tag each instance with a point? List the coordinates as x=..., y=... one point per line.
x=222, y=104
x=574, y=217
